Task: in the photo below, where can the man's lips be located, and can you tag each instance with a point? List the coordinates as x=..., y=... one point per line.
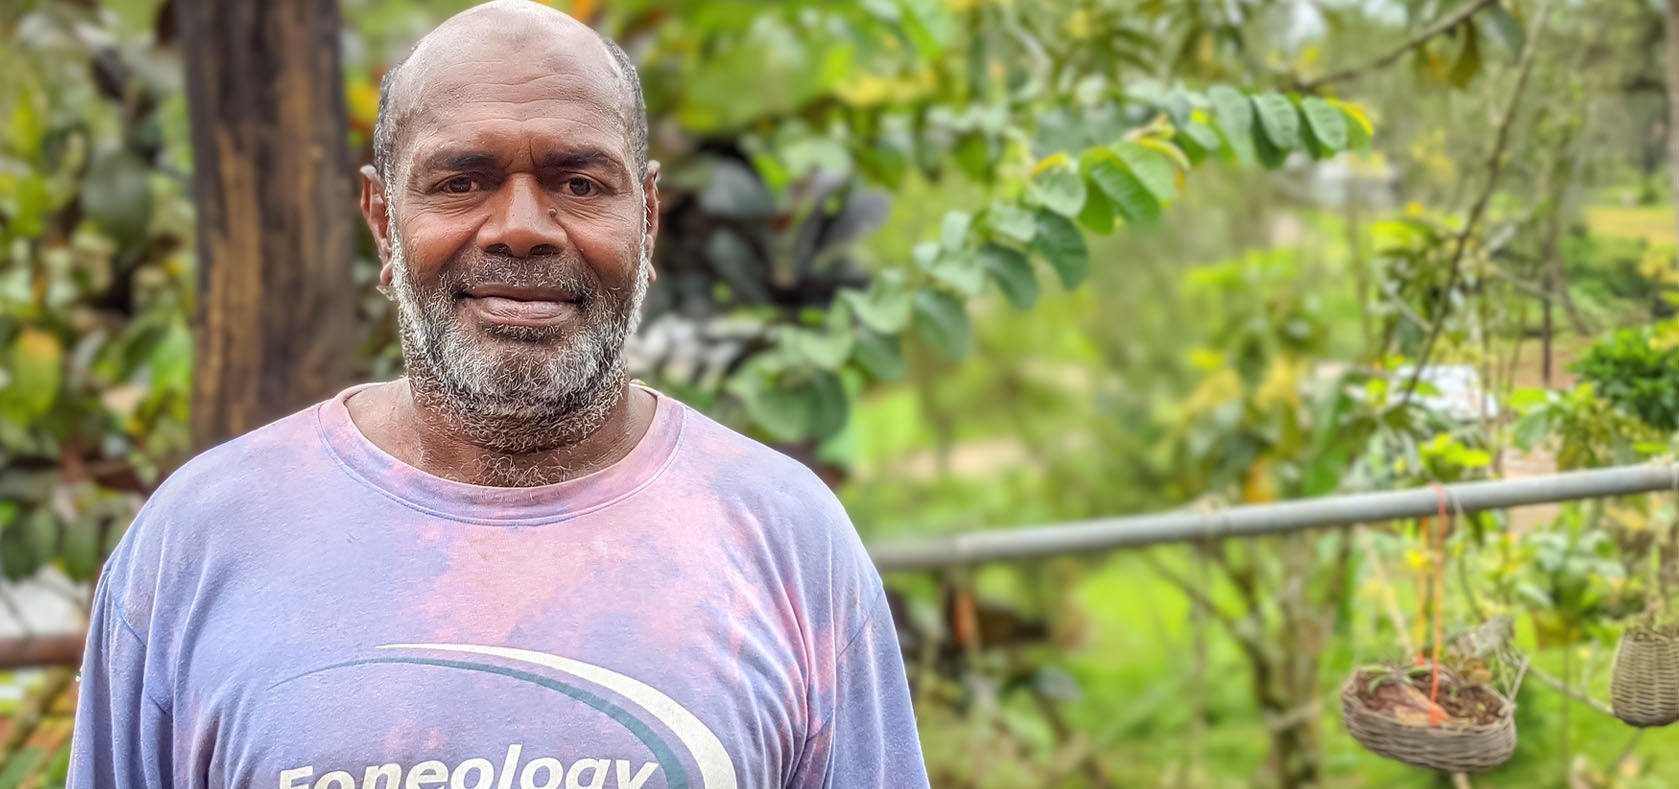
x=514, y=306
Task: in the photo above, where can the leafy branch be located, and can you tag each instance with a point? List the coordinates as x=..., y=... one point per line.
x=1495, y=164
x=1440, y=26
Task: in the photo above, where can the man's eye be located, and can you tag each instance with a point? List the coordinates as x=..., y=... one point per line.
x=458, y=185
x=582, y=187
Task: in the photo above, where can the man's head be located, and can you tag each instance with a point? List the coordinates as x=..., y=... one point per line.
x=515, y=211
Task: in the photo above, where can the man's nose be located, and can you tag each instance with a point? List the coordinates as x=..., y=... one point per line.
x=523, y=221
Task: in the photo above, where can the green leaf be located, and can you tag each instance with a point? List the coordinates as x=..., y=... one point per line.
x=1531, y=430
x=954, y=233
x=1097, y=216
x=793, y=406
x=81, y=547
x=1178, y=108
x=1012, y=221
x=880, y=355
x=942, y=321
x=829, y=405
x=1013, y=274
x=1270, y=156
x=1278, y=119
x=1203, y=137
x=1533, y=595
x=36, y=367
x=1528, y=398
x=883, y=161
x=28, y=543
x=1358, y=137
x=1060, y=242
x=960, y=270
x=973, y=155
x=171, y=359
x=21, y=766
x=1326, y=123
x=117, y=196
x=1151, y=168
x=884, y=307
x=1058, y=188
x=826, y=350
x=1468, y=62
x=1235, y=114
x=1503, y=27
x=1135, y=202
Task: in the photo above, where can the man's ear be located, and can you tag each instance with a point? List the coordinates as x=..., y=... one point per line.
x=375, y=210
x=650, y=187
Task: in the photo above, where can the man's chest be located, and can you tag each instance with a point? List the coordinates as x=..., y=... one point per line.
x=497, y=672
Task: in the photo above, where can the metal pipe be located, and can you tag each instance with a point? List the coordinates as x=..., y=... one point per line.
x=1104, y=534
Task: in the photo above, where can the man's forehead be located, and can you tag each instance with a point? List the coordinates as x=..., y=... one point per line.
x=508, y=52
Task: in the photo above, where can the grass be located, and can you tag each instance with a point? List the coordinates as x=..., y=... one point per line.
x=1655, y=223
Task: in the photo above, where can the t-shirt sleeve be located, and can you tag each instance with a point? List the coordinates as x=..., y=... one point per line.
x=122, y=735
x=870, y=739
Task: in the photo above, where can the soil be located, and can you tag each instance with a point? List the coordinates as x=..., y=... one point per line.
x=1406, y=698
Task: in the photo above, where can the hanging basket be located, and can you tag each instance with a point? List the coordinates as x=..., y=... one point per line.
x=1477, y=733
x=1644, y=688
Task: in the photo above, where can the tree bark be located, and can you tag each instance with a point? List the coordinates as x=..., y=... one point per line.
x=1672, y=48
x=276, y=222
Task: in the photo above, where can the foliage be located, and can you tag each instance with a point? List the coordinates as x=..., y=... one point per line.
x=95, y=285
x=1637, y=370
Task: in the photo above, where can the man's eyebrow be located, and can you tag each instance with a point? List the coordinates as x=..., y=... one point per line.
x=584, y=159
x=460, y=160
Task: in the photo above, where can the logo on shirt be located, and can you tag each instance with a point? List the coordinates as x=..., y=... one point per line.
x=637, y=703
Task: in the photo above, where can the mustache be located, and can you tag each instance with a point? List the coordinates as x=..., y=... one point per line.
x=559, y=272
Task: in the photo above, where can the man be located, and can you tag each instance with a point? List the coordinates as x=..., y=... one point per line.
x=513, y=568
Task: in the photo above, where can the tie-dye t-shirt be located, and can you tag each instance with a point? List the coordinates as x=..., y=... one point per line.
x=296, y=608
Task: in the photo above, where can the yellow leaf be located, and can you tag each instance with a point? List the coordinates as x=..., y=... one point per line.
x=1257, y=487
x=1281, y=384
x=1357, y=113
x=1213, y=391
x=1171, y=151
x=1052, y=160
x=1206, y=359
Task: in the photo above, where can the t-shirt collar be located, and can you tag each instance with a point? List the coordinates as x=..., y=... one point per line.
x=509, y=506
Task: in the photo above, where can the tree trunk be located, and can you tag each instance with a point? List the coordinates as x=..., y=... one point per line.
x=276, y=222
x=1672, y=47
x=1549, y=327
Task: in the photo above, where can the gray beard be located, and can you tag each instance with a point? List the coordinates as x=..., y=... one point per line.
x=525, y=390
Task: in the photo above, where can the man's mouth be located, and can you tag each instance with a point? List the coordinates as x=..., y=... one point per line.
x=521, y=306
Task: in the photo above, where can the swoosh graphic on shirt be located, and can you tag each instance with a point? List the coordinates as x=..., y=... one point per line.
x=717, y=771
x=676, y=776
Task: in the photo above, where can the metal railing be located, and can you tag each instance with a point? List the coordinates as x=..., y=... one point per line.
x=1105, y=534
x=1136, y=531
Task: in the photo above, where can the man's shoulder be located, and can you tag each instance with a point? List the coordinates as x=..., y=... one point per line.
x=229, y=483
x=215, y=490
x=769, y=490
x=245, y=463
x=739, y=463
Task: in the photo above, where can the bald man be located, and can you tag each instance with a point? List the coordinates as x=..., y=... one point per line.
x=513, y=568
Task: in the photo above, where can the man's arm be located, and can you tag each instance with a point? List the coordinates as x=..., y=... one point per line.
x=870, y=739
x=122, y=736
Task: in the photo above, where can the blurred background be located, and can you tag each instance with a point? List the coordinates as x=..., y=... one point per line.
x=983, y=264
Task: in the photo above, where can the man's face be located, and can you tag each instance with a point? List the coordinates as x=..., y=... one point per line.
x=519, y=234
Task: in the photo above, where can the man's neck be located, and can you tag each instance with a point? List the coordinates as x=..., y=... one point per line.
x=423, y=436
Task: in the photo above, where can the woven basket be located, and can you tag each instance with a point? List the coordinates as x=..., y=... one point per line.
x=1453, y=746
x=1644, y=687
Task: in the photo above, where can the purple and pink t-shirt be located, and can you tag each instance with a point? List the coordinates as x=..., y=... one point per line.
x=297, y=608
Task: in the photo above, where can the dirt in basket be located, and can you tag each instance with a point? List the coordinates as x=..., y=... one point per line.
x=1406, y=699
